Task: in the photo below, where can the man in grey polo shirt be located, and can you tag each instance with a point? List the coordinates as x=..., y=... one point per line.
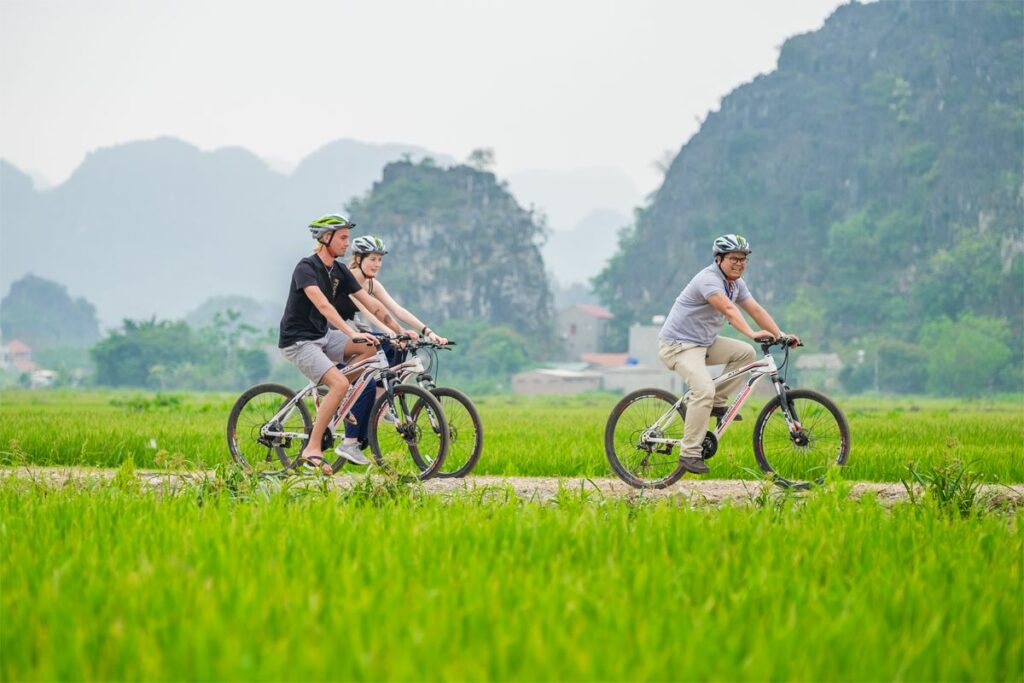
x=689, y=341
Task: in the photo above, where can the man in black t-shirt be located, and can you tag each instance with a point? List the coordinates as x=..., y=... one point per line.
x=321, y=285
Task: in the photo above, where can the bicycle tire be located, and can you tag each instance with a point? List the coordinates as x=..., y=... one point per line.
x=628, y=456
x=416, y=444
x=825, y=428
x=465, y=433
x=253, y=409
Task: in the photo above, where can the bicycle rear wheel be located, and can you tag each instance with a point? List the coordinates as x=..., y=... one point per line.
x=798, y=459
x=636, y=460
x=254, y=409
x=465, y=432
x=416, y=443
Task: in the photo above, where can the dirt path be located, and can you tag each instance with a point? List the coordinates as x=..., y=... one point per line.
x=709, y=491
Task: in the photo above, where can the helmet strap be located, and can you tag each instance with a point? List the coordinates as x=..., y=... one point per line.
x=718, y=262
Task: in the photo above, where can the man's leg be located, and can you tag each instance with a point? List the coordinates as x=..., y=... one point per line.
x=337, y=385
x=734, y=354
x=311, y=359
x=688, y=361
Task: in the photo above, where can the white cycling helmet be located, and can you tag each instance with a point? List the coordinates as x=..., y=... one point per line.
x=368, y=244
x=727, y=244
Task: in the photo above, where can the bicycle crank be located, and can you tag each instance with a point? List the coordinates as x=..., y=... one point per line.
x=710, y=446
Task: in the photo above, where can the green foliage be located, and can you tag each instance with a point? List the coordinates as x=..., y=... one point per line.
x=482, y=159
x=876, y=173
x=531, y=436
x=229, y=354
x=40, y=313
x=970, y=276
x=102, y=583
x=128, y=357
x=949, y=486
x=484, y=357
x=461, y=247
x=969, y=357
x=902, y=367
x=857, y=378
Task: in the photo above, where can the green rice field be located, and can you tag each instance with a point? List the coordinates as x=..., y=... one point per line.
x=239, y=578
x=524, y=436
x=111, y=583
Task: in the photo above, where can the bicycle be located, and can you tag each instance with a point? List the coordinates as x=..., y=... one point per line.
x=465, y=430
x=798, y=434
x=274, y=424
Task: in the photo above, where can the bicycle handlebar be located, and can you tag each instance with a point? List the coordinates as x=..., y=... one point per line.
x=399, y=338
x=784, y=342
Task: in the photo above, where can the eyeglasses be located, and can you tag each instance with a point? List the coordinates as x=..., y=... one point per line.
x=737, y=259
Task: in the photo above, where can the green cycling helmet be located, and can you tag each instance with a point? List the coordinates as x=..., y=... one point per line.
x=368, y=244
x=329, y=223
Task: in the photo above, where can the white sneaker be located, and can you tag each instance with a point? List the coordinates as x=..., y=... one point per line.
x=351, y=452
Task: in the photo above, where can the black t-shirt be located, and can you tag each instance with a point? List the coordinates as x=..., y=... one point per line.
x=301, y=320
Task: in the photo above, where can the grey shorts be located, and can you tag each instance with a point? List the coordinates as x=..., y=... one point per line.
x=315, y=357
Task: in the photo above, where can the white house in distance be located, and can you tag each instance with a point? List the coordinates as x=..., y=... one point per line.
x=581, y=327
x=555, y=381
x=16, y=356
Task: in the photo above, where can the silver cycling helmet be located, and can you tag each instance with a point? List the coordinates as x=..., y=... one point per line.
x=368, y=244
x=726, y=244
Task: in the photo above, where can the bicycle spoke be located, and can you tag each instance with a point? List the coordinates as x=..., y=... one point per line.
x=256, y=409
x=807, y=455
x=643, y=462
x=412, y=445
x=463, y=435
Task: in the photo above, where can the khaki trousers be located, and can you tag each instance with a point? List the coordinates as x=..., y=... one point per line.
x=690, y=362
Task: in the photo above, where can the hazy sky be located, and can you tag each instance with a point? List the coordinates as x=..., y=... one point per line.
x=547, y=84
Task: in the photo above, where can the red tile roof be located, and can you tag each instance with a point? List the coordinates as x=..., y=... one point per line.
x=596, y=311
x=605, y=360
x=17, y=346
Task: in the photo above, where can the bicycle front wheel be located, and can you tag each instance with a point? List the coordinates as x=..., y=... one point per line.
x=799, y=458
x=628, y=435
x=465, y=432
x=408, y=435
x=267, y=451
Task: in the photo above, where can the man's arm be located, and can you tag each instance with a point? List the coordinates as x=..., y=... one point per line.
x=760, y=316
x=377, y=309
x=733, y=315
x=331, y=313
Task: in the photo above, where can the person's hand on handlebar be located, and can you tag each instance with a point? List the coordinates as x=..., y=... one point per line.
x=366, y=338
x=794, y=340
x=763, y=336
x=440, y=341
x=411, y=334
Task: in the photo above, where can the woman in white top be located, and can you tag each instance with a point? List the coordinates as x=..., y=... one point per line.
x=367, y=257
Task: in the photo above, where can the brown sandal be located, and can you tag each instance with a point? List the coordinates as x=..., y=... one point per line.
x=316, y=461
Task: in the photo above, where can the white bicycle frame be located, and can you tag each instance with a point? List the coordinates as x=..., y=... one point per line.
x=371, y=369
x=758, y=369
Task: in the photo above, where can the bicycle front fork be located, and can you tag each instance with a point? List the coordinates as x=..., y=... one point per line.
x=796, y=430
